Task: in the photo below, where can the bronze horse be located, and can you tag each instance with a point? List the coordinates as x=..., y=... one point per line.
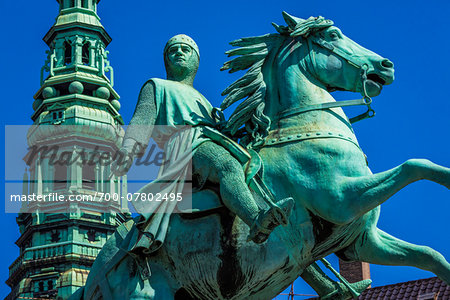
x=310, y=153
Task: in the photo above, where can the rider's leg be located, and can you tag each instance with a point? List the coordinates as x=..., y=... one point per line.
x=378, y=247
x=357, y=195
x=215, y=163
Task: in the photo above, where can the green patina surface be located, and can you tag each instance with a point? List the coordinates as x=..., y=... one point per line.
x=316, y=181
x=288, y=120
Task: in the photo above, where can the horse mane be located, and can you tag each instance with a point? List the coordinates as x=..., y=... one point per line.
x=251, y=54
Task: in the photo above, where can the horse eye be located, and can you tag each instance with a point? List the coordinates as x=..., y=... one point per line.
x=334, y=35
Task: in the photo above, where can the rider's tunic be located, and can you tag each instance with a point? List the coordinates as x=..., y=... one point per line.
x=177, y=105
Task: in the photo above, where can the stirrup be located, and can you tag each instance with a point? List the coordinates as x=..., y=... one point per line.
x=268, y=220
x=258, y=234
x=282, y=210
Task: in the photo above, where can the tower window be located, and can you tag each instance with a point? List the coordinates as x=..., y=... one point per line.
x=67, y=53
x=91, y=235
x=41, y=286
x=55, y=236
x=57, y=117
x=85, y=3
x=85, y=54
x=50, y=284
x=72, y=3
x=88, y=177
x=60, y=179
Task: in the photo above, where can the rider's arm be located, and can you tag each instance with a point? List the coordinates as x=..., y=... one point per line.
x=140, y=128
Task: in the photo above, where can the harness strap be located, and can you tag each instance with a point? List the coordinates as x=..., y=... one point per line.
x=298, y=110
x=308, y=136
x=355, y=62
x=351, y=59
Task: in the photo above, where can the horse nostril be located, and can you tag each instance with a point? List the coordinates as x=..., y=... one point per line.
x=386, y=63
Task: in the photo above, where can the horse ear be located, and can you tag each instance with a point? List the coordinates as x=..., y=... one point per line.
x=291, y=21
x=281, y=29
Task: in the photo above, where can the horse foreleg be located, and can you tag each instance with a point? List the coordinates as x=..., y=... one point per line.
x=378, y=247
x=357, y=195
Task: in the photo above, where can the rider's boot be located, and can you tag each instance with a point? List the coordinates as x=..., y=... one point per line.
x=269, y=219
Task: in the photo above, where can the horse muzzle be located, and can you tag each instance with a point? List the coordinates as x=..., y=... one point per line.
x=383, y=72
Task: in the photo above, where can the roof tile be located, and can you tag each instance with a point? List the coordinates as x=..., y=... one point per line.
x=408, y=290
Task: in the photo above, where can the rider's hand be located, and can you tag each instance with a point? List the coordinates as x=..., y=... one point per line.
x=122, y=162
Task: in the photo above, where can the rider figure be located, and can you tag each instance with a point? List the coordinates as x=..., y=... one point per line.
x=174, y=102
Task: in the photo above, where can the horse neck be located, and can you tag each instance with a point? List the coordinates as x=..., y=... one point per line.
x=290, y=84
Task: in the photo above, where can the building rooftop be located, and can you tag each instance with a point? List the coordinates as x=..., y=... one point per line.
x=422, y=289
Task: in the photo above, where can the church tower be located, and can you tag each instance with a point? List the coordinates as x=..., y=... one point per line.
x=74, y=137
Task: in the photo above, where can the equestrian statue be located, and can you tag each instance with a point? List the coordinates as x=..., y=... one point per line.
x=277, y=187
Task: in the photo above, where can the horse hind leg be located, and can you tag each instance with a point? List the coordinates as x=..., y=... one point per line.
x=357, y=195
x=378, y=247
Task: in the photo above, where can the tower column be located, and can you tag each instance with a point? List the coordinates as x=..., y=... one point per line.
x=78, y=50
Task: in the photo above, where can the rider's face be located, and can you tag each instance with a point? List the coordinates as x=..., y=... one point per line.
x=181, y=55
x=181, y=62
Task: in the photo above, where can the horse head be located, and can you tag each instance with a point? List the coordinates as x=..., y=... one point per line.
x=297, y=67
x=335, y=60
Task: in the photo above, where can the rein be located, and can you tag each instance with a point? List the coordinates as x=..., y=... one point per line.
x=365, y=100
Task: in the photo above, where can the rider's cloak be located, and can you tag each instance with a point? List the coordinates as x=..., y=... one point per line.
x=181, y=114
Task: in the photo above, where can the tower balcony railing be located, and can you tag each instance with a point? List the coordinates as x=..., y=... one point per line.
x=53, y=251
x=15, y=265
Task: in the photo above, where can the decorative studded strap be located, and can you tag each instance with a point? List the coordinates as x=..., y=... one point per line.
x=307, y=136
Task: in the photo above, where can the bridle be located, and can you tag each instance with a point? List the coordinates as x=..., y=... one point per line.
x=365, y=100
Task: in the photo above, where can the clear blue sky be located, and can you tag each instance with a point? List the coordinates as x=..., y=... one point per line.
x=412, y=114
